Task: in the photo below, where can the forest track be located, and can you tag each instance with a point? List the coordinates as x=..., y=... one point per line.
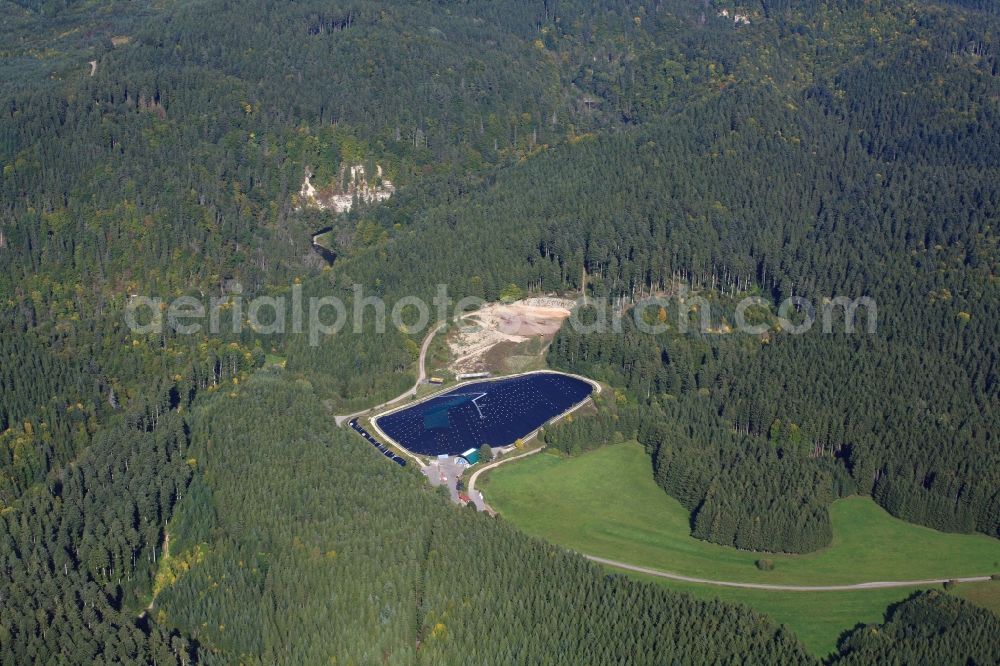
x=774, y=587
x=874, y=585
x=471, y=485
x=421, y=376
x=529, y=437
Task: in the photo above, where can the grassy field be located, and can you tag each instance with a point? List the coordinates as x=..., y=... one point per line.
x=817, y=619
x=986, y=595
x=605, y=503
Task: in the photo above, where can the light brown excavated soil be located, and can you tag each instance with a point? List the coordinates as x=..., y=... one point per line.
x=498, y=322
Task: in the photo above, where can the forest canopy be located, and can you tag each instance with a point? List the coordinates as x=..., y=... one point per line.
x=610, y=148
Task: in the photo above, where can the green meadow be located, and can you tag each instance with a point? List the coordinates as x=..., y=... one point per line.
x=816, y=619
x=606, y=503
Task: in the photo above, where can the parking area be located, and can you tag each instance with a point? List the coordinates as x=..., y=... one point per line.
x=447, y=472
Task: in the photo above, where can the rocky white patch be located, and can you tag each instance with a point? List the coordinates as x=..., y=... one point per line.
x=358, y=188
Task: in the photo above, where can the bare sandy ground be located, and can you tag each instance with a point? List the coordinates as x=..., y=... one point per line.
x=499, y=322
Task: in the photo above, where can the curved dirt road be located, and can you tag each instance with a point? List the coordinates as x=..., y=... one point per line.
x=475, y=475
x=471, y=485
x=421, y=376
x=873, y=585
x=787, y=588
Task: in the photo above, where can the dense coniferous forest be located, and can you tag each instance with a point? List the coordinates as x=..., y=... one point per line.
x=355, y=572
x=777, y=191
x=46, y=414
x=619, y=148
x=615, y=421
x=79, y=552
x=929, y=628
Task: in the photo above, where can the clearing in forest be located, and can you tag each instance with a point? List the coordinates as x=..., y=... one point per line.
x=521, y=328
x=606, y=503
